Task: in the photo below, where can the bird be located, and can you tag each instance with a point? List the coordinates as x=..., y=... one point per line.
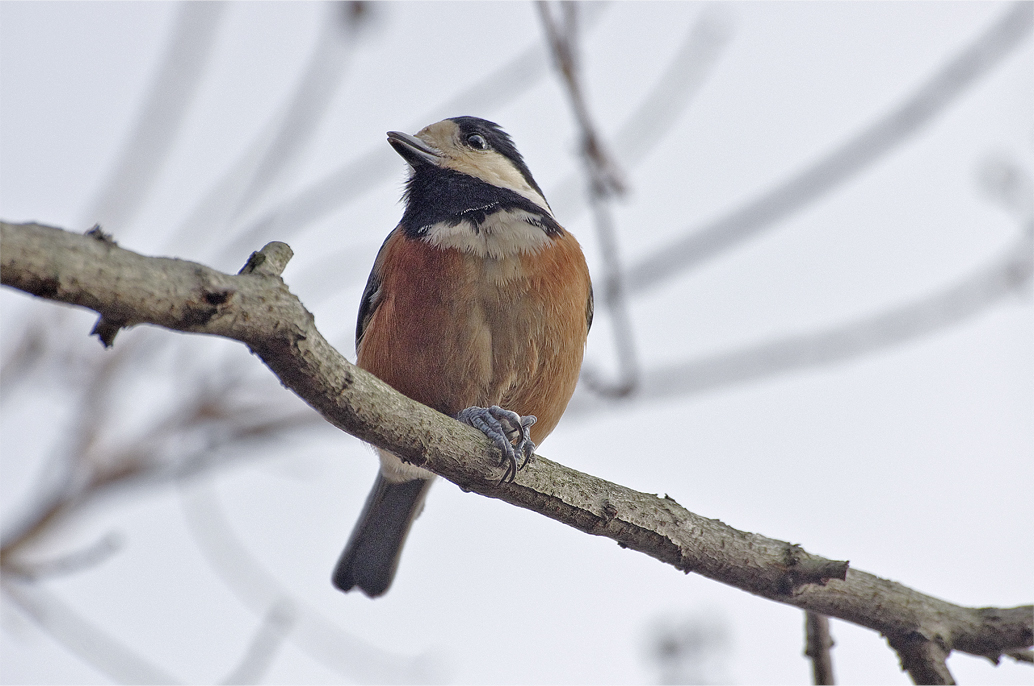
x=478, y=305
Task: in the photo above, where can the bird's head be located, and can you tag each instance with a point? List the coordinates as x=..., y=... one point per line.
x=472, y=146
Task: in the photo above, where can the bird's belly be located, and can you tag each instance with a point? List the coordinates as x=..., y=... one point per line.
x=457, y=330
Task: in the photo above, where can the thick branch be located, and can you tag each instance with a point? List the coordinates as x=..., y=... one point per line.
x=257, y=309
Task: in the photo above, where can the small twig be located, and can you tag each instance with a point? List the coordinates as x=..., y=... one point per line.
x=605, y=181
x=682, y=648
x=161, y=117
x=1020, y=655
x=274, y=629
x=17, y=364
x=985, y=286
x=258, y=589
x=69, y=479
x=70, y=563
x=88, y=475
x=700, y=243
x=306, y=107
x=84, y=638
x=270, y=261
x=372, y=167
x=617, y=306
x=676, y=86
x=817, y=645
x=658, y=111
x=1008, y=185
x=369, y=169
x=605, y=173
x=925, y=660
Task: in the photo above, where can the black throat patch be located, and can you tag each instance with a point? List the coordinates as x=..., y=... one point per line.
x=435, y=195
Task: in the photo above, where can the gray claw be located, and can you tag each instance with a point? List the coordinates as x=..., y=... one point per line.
x=526, y=446
x=498, y=424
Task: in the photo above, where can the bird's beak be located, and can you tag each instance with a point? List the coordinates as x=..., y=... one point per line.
x=414, y=150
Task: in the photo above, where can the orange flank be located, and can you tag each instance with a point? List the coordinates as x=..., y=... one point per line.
x=453, y=330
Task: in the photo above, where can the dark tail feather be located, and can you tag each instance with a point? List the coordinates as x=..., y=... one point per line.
x=372, y=554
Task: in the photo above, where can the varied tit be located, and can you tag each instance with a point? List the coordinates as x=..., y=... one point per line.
x=478, y=305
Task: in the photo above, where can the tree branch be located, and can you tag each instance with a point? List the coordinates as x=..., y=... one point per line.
x=358, y=176
x=84, y=638
x=1010, y=270
x=161, y=118
x=258, y=309
x=925, y=660
x=258, y=589
x=817, y=645
x=702, y=243
x=605, y=181
x=276, y=625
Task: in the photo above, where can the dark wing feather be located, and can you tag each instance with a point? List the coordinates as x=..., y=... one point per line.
x=371, y=295
x=589, y=308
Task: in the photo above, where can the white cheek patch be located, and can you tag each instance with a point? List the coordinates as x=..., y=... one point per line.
x=494, y=169
x=505, y=233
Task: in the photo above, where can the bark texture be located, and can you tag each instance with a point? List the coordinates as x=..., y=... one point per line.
x=256, y=308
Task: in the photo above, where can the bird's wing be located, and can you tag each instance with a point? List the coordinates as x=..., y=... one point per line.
x=371, y=294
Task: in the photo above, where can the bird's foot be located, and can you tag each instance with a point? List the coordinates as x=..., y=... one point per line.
x=508, y=430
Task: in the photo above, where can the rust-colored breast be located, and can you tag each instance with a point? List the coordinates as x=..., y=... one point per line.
x=453, y=330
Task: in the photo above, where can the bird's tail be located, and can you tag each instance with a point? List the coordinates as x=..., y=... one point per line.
x=372, y=555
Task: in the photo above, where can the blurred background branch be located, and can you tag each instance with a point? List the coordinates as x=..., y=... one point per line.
x=1008, y=274
x=158, y=411
x=160, y=120
x=843, y=163
x=604, y=181
x=257, y=587
x=817, y=646
x=84, y=638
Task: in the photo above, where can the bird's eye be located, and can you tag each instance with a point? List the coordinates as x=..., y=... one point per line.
x=477, y=141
